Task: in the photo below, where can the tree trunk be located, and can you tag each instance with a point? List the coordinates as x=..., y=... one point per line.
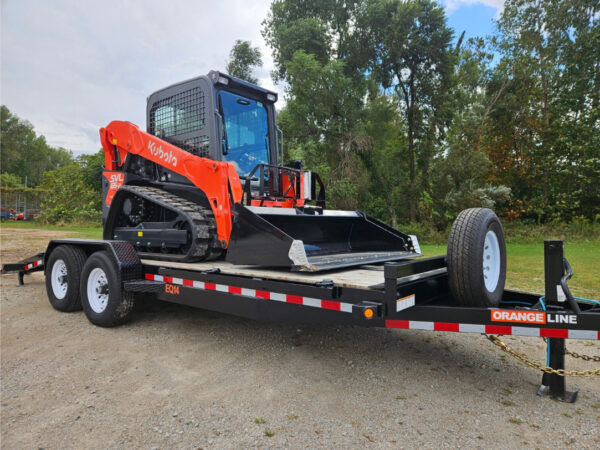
x=393, y=216
x=412, y=187
x=409, y=99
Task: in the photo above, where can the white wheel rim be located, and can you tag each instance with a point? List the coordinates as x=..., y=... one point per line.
x=59, y=279
x=97, y=290
x=491, y=261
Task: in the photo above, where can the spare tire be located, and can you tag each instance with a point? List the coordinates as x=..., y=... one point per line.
x=477, y=258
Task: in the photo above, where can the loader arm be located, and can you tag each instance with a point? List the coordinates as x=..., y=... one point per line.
x=217, y=179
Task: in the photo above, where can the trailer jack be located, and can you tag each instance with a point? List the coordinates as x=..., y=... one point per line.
x=553, y=384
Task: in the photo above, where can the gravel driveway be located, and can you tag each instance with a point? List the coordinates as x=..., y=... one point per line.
x=178, y=377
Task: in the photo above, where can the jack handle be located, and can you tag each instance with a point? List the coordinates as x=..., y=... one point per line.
x=565, y=287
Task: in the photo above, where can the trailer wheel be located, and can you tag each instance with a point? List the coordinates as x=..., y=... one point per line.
x=477, y=258
x=104, y=302
x=63, y=272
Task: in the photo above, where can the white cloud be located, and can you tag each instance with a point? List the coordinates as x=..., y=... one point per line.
x=71, y=66
x=453, y=5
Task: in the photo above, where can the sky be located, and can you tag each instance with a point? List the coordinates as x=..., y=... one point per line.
x=71, y=66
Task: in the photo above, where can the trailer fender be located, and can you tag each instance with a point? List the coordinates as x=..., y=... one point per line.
x=123, y=254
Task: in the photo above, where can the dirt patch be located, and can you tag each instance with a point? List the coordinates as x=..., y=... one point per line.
x=187, y=378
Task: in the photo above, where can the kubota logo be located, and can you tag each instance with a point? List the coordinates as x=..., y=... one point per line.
x=518, y=316
x=171, y=289
x=160, y=153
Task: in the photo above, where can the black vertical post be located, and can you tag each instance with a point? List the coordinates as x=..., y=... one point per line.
x=553, y=384
x=553, y=269
x=390, y=273
x=21, y=281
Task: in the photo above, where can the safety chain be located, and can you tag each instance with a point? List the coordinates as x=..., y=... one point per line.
x=578, y=355
x=584, y=357
x=536, y=365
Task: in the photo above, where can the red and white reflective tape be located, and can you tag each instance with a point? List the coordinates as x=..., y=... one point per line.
x=255, y=293
x=33, y=264
x=494, y=329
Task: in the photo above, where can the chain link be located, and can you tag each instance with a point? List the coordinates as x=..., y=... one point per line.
x=536, y=365
x=578, y=355
x=584, y=357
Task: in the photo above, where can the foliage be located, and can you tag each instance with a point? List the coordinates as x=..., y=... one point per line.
x=9, y=180
x=25, y=154
x=68, y=198
x=91, y=166
x=544, y=132
x=509, y=122
x=324, y=106
x=243, y=58
x=408, y=50
x=322, y=28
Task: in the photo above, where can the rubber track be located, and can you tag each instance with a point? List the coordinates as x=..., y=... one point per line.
x=463, y=238
x=206, y=244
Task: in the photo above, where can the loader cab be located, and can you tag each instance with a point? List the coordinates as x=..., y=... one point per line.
x=216, y=116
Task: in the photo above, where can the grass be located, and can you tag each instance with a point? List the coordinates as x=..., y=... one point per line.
x=525, y=269
x=74, y=231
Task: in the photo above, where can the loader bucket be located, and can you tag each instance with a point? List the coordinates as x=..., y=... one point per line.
x=312, y=240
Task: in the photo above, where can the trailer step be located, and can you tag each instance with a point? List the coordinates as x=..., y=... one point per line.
x=144, y=286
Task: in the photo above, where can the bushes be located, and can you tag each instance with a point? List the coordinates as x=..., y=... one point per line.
x=69, y=199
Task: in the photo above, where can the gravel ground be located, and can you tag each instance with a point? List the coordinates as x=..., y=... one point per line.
x=177, y=377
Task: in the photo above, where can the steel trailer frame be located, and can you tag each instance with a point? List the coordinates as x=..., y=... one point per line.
x=414, y=295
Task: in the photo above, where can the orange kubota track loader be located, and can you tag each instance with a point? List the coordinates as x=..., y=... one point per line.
x=207, y=180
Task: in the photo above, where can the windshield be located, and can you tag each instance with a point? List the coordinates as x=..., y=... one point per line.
x=245, y=137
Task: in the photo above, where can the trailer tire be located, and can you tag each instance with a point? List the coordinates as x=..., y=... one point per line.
x=104, y=302
x=477, y=258
x=63, y=272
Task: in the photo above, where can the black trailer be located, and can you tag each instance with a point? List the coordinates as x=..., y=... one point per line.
x=107, y=277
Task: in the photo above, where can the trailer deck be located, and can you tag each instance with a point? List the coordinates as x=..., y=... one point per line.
x=364, y=277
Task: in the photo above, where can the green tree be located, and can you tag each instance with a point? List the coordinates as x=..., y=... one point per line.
x=322, y=28
x=91, y=166
x=461, y=173
x=24, y=153
x=323, y=109
x=243, y=58
x=383, y=158
x=547, y=134
x=68, y=197
x=409, y=50
x=8, y=180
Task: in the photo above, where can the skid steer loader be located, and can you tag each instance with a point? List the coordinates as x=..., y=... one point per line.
x=207, y=180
